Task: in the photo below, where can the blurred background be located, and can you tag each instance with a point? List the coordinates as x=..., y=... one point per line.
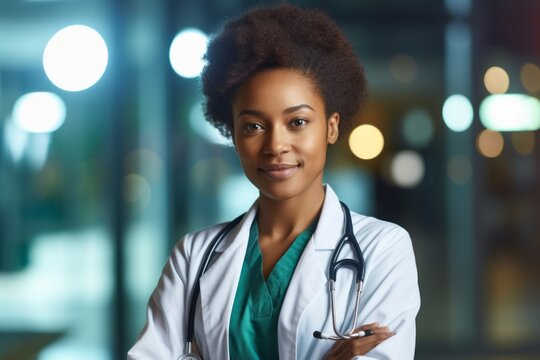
x=105, y=161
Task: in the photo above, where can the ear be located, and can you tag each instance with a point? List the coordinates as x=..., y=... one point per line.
x=332, y=133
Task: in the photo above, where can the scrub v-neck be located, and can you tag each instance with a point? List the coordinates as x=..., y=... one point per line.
x=255, y=313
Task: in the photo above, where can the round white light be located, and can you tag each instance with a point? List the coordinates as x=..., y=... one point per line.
x=407, y=169
x=75, y=58
x=187, y=51
x=39, y=112
x=458, y=113
x=510, y=112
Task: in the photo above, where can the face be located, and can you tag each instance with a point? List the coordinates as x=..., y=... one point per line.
x=281, y=133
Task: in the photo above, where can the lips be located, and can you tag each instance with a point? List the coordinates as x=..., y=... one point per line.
x=278, y=171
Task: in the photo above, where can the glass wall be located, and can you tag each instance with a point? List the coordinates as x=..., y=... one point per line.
x=106, y=161
x=56, y=253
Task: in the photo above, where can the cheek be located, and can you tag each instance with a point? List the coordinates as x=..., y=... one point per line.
x=247, y=153
x=316, y=146
x=314, y=156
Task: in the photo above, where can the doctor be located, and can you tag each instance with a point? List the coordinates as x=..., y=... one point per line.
x=285, y=84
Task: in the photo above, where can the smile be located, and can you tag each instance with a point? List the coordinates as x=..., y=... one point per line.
x=278, y=171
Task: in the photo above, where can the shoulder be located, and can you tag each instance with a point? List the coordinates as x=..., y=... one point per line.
x=196, y=242
x=388, y=254
x=379, y=236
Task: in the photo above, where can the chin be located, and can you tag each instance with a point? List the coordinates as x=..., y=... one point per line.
x=278, y=195
x=283, y=191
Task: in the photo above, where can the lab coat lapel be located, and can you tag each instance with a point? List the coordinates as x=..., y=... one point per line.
x=218, y=287
x=310, y=275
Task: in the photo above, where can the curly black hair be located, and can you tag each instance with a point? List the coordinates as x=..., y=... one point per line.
x=283, y=37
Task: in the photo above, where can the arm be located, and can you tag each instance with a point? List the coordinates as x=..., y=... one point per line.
x=348, y=349
x=391, y=298
x=394, y=297
x=163, y=336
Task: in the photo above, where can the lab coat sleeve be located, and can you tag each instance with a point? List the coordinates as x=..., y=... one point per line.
x=163, y=336
x=392, y=295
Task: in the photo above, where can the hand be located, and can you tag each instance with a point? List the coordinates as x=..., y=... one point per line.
x=347, y=349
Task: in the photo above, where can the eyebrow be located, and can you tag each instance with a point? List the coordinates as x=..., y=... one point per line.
x=292, y=109
x=288, y=110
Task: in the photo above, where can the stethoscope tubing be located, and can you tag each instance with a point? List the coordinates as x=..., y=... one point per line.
x=196, y=289
x=356, y=265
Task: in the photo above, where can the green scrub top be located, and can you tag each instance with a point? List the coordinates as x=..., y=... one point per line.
x=254, y=317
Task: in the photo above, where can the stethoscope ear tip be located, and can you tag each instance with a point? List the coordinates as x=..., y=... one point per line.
x=317, y=335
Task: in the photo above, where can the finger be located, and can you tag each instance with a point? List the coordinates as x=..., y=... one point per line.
x=337, y=346
x=362, y=346
x=371, y=330
x=359, y=346
x=367, y=326
x=381, y=331
x=370, y=326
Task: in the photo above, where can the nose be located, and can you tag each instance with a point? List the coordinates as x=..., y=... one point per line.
x=277, y=141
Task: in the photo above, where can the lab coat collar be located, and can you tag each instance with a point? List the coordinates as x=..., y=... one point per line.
x=326, y=235
x=331, y=222
x=310, y=276
x=217, y=294
x=218, y=285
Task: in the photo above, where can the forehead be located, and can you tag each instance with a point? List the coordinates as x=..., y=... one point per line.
x=275, y=88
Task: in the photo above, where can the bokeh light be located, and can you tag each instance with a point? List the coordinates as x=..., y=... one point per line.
x=459, y=169
x=203, y=128
x=39, y=112
x=407, y=169
x=530, y=77
x=137, y=190
x=458, y=7
x=37, y=150
x=490, y=143
x=208, y=174
x=496, y=80
x=404, y=68
x=418, y=128
x=75, y=58
x=147, y=162
x=524, y=142
x=458, y=112
x=15, y=141
x=186, y=52
x=510, y=112
x=366, y=142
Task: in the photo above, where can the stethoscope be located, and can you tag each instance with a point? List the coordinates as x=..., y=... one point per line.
x=357, y=265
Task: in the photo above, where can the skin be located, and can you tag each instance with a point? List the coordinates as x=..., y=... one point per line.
x=347, y=349
x=281, y=134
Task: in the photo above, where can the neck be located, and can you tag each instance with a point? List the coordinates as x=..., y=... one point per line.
x=280, y=220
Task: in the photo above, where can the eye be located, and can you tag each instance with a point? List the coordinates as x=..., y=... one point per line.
x=252, y=127
x=298, y=122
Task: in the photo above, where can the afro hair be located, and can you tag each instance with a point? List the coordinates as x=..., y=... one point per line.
x=307, y=41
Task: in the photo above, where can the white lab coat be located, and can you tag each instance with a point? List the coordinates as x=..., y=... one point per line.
x=391, y=296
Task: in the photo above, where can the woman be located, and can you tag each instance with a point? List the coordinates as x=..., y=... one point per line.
x=284, y=83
